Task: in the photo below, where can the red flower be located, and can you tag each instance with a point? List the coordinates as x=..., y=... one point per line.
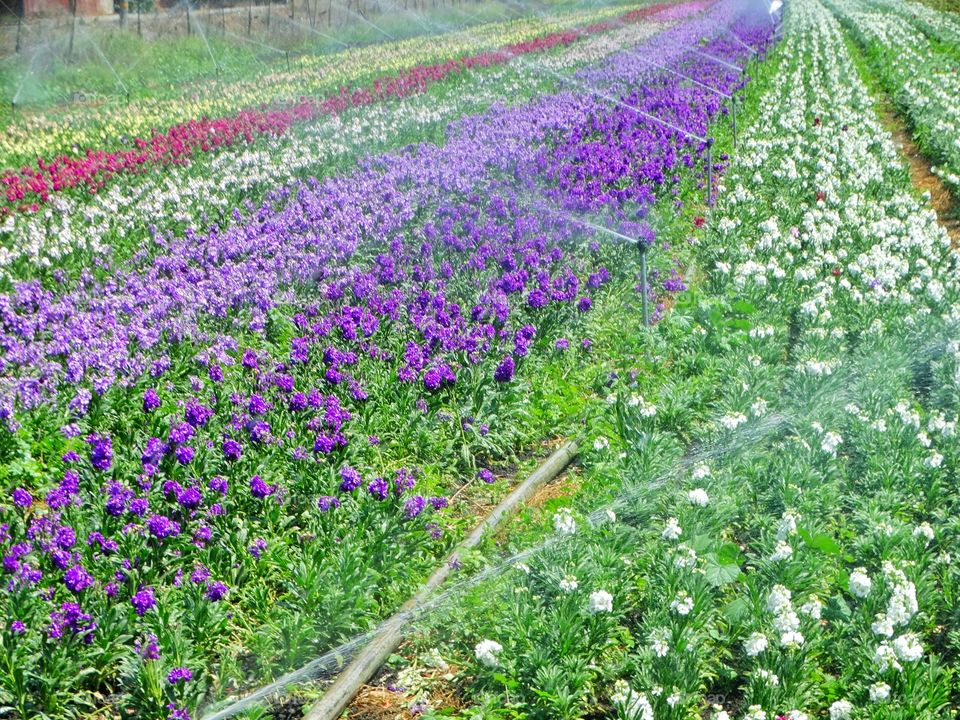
x=699, y=221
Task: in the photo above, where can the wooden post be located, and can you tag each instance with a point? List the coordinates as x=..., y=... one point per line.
x=338, y=696
x=269, y=7
x=73, y=28
x=249, y=17
x=189, y=29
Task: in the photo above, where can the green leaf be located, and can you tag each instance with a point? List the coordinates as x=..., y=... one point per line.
x=743, y=307
x=718, y=573
x=737, y=610
x=821, y=541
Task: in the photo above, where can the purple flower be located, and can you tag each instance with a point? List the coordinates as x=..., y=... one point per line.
x=584, y=305
x=22, y=498
x=257, y=405
x=218, y=484
x=325, y=502
x=350, y=479
x=139, y=506
x=77, y=579
x=190, y=498
x=439, y=502
x=149, y=649
x=487, y=476
x=215, y=373
x=403, y=481
x=562, y=344
x=177, y=713
x=184, y=454
x=259, y=489
x=197, y=414
x=151, y=401
x=378, y=488
x=414, y=506
x=257, y=548
x=250, y=360
x=232, y=450
x=71, y=617
x=17, y=627
x=179, y=674
x=143, y=600
x=101, y=451
x=162, y=527
x=505, y=370
x=216, y=591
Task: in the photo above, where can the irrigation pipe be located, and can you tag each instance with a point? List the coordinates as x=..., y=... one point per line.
x=366, y=663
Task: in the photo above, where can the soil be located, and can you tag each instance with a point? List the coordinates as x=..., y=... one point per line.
x=921, y=174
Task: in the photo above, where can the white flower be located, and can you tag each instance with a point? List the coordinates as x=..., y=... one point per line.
x=797, y=715
x=569, y=583
x=700, y=471
x=698, y=497
x=787, y=526
x=611, y=516
x=601, y=601
x=778, y=599
x=885, y=658
x=660, y=641
x=934, y=460
x=719, y=713
x=563, y=522
x=673, y=699
x=782, y=552
x=860, y=583
x=601, y=443
x=755, y=644
x=908, y=647
x=882, y=626
x=813, y=608
x=523, y=567
x=831, y=441
x=759, y=407
x=841, y=710
x=791, y=639
x=672, y=531
x=682, y=604
x=903, y=603
x=771, y=678
x=635, y=706
x=755, y=712
x=924, y=530
x=879, y=692
x=486, y=652
x=686, y=557
x=731, y=421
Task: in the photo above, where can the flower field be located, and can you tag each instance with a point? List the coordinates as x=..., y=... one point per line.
x=263, y=366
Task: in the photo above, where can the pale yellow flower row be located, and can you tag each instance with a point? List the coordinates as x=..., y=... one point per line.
x=44, y=135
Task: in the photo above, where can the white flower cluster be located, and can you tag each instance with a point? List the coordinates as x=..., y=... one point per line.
x=785, y=619
x=632, y=704
x=488, y=652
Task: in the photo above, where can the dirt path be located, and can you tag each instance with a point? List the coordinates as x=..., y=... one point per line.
x=921, y=174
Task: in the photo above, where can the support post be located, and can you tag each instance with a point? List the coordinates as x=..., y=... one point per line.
x=644, y=289
x=733, y=107
x=709, y=174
